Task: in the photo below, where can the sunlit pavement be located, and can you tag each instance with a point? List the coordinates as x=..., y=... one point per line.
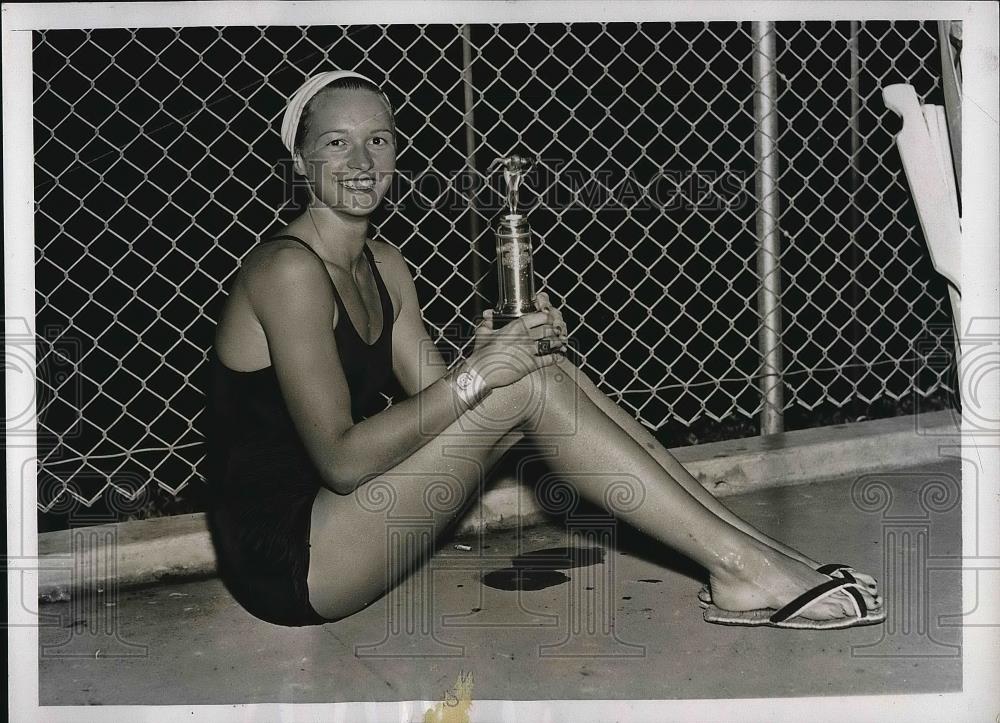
x=638, y=633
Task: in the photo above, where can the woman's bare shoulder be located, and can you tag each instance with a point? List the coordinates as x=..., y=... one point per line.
x=276, y=258
x=392, y=269
x=270, y=275
x=279, y=268
x=265, y=251
x=384, y=251
x=389, y=258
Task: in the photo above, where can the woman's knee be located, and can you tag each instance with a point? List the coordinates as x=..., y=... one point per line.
x=580, y=378
x=551, y=390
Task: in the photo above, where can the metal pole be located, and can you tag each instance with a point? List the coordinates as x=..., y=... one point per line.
x=470, y=162
x=855, y=121
x=765, y=108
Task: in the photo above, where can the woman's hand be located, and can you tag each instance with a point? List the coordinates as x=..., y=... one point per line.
x=542, y=303
x=503, y=356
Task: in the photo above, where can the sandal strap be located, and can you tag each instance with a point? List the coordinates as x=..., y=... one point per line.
x=844, y=572
x=823, y=590
x=859, y=601
x=832, y=567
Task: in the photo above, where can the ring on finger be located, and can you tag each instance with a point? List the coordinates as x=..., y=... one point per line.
x=544, y=346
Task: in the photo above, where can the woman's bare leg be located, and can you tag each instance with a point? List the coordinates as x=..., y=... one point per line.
x=349, y=567
x=674, y=468
x=745, y=572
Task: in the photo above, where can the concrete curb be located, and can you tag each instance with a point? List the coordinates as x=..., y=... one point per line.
x=171, y=547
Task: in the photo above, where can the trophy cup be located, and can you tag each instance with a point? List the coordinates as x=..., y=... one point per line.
x=515, y=274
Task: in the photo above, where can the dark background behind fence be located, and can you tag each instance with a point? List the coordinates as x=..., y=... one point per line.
x=158, y=166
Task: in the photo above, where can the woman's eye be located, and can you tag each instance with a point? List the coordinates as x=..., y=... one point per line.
x=335, y=141
x=378, y=140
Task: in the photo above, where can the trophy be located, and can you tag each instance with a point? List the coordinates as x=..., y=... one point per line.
x=515, y=274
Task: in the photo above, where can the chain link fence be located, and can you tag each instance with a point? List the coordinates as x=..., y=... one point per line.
x=158, y=166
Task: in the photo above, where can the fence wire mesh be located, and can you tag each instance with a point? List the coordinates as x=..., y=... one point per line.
x=158, y=166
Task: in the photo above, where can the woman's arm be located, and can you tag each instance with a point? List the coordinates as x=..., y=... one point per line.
x=289, y=290
x=416, y=361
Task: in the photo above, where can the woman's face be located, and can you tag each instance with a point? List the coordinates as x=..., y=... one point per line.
x=349, y=150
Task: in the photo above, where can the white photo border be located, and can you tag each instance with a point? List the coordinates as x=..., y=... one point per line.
x=980, y=269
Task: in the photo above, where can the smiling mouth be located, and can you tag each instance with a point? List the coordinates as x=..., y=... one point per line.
x=365, y=184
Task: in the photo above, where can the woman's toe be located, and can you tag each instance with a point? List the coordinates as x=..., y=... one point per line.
x=873, y=601
x=848, y=605
x=867, y=580
x=836, y=606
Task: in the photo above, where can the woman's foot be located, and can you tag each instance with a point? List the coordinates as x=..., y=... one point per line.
x=705, y=593
x=766, y=579
x=867, y=580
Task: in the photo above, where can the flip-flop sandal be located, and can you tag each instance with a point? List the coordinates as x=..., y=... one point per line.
x=789, y=616
x=831, y=568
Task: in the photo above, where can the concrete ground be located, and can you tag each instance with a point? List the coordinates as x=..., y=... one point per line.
x=637, y=634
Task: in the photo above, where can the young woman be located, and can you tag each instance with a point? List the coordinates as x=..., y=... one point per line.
x=319, y=319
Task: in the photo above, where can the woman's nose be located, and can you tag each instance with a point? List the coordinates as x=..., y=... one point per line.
x=360, y=158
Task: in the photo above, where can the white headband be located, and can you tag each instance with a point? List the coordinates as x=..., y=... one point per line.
x=293, y=111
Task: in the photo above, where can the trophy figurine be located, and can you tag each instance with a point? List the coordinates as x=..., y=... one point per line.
x=515, y=274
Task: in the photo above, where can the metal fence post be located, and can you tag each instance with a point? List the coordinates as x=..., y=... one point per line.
x=470, y=161
x=765, y=108
x=855, y=123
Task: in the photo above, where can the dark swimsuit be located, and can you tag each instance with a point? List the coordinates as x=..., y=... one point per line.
x=261, y=481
